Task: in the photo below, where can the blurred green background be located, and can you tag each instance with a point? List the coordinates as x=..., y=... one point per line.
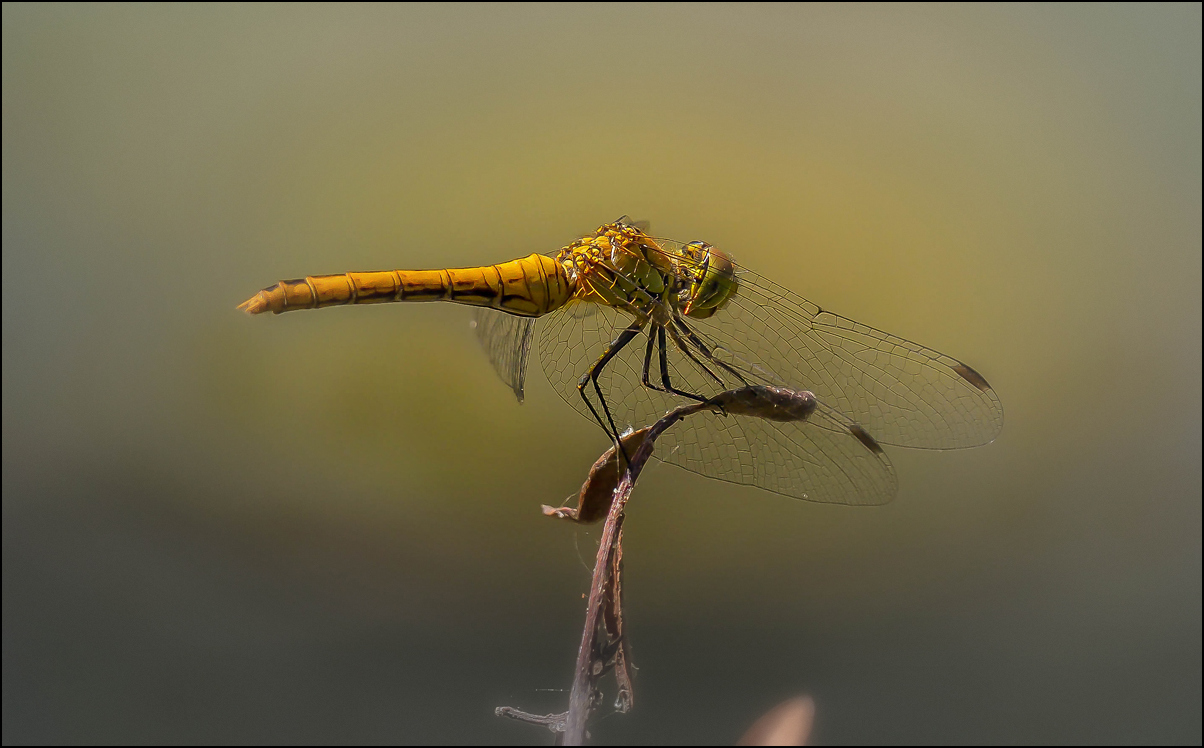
x=304, y=528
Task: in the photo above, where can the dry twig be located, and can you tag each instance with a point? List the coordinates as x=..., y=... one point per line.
x=603, y=647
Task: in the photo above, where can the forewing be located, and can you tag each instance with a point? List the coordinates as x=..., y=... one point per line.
x=506, y=339
x=902, y=393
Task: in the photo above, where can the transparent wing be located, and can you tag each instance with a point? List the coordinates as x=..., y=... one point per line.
x=644, y=226
x=507, y=342
x=902, y=393
x=822, y=459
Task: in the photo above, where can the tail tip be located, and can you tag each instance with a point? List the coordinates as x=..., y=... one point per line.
x=254, y=305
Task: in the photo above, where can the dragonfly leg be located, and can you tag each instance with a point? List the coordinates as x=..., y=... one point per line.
x=612, y=350
x=702, y=347
x=648, y=361
x=653, y=337
x=665, y=369
x=681, y=346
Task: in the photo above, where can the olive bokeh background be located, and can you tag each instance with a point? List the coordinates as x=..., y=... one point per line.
x=324, y=526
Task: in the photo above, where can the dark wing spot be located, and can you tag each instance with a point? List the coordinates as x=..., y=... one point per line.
x=865, y=438
x=973, y=377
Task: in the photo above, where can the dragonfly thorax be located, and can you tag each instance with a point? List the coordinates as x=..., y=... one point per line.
x=622, y=266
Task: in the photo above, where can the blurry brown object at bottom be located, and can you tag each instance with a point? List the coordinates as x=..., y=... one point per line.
x=788, y=723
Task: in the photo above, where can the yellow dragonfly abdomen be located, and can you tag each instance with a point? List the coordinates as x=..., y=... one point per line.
x=528, y=287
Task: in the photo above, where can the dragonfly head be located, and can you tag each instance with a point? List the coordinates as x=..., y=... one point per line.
x=714, y=280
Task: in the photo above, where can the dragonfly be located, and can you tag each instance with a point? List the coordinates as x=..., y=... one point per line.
x=629, y=326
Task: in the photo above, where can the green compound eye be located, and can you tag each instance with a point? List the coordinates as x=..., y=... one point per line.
x=714, y=281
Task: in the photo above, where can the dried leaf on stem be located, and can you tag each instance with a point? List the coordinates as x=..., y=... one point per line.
x=603, y=647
